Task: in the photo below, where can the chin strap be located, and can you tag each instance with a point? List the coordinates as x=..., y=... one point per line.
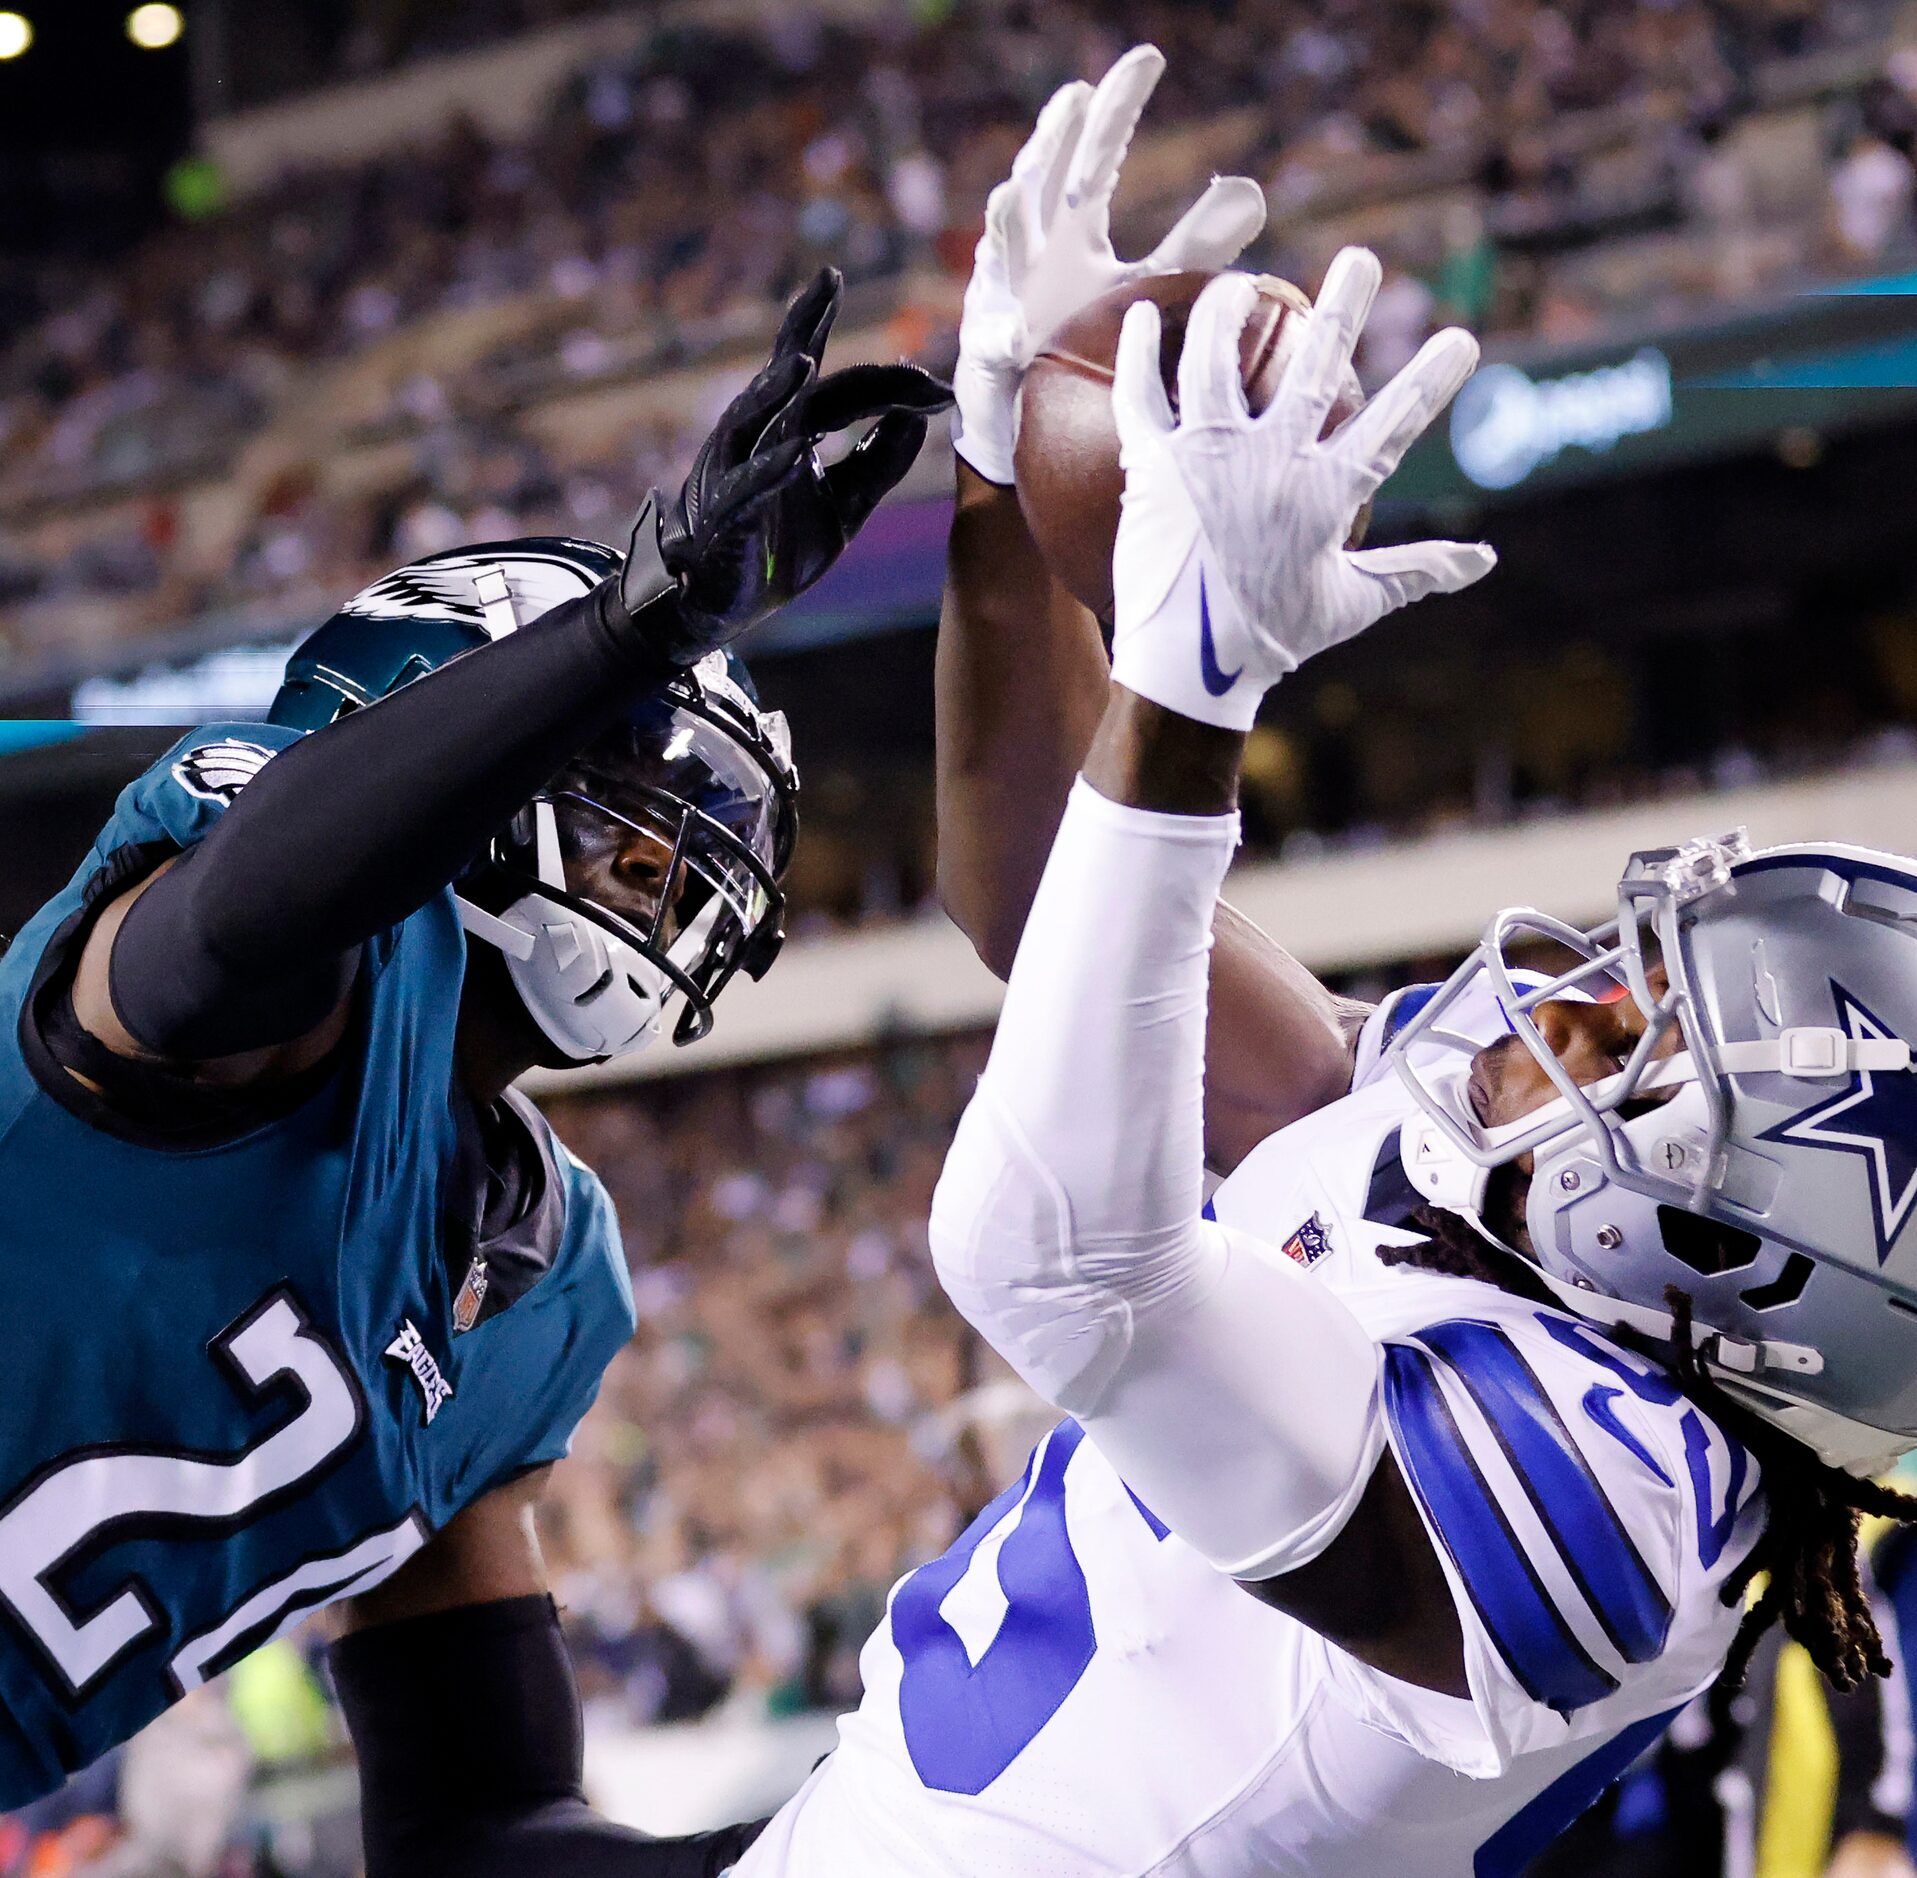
x=1740, y=1368
x=1736, y=1357
x=1811, y=1051
x=495, y=931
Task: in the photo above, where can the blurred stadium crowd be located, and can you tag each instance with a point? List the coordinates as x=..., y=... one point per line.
x=802, y=1415
x=281, y=396
x=175, y=429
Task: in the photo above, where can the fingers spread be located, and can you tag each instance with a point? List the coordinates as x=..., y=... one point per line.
x=764, y=404
x=857, y=392
x=1045, y=163
x=1139, y=404
x=1054, y=135
x=1214, y=231
x=756, y=480
x=1111, y=118
x=1211, y=384
x=1316, y=370
x=1376, y=439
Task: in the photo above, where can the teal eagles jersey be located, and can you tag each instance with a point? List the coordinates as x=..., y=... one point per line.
x=237, y=1386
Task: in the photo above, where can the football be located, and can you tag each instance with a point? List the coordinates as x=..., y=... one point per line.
x=1069, y=481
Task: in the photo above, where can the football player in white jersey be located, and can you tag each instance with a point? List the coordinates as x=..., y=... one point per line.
x=1413, y=1484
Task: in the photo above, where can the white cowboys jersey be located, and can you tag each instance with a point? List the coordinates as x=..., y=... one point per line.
x=1070, y=1691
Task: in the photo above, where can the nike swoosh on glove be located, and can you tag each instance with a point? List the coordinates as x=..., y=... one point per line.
x=1047, y=247
x=1231, y=567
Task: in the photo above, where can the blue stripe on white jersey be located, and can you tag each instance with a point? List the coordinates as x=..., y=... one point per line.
x=1703, y=1439
x=1528, y=1831
x=1518, y=1611
x=1605, y=1564
x=1525, y=1493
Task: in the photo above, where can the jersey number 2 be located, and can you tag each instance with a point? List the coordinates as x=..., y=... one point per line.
x=102, y=1493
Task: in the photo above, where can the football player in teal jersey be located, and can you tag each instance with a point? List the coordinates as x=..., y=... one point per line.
x=302, y=1300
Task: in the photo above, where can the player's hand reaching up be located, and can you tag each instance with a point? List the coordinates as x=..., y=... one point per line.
x=761, y=517
x=1047, y=247
x=1231, y=567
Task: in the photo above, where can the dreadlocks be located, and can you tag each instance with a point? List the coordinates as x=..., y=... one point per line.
x=1808, y=1548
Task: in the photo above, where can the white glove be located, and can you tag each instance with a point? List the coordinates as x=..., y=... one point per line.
x=1231, y=568
x=1047, y=247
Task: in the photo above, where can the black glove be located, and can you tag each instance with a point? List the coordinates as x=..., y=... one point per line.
x=760, y=518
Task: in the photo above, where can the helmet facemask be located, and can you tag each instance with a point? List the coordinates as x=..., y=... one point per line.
x=646, y=872
x=1663, y=1174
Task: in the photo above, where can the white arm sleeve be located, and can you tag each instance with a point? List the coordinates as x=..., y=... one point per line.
x=1235, y=1395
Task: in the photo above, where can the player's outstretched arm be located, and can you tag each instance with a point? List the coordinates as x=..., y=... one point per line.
x=1022, y=674
x=1233, y=1393
x=459, y=1693
x=248, y=944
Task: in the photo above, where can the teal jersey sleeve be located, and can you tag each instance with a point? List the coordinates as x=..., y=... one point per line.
x=180, y=798
x=238, y=1389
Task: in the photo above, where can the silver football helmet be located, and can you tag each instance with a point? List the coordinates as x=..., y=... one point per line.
x=1774, y=1180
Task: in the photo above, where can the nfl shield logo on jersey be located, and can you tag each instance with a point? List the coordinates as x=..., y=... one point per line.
x=1308, y=1244
x=472, y=1297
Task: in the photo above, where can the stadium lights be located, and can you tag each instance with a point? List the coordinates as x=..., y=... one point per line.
x=155, y=26
x=16, y=34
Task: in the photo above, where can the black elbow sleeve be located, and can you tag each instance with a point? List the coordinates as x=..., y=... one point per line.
x=180, y=998
x=471, y=1752
x=459, y=1714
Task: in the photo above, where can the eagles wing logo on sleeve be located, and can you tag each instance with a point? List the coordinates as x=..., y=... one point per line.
x=217, y=772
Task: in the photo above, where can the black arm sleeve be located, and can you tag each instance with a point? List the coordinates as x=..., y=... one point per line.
x=253, y=936
x=470, y=1752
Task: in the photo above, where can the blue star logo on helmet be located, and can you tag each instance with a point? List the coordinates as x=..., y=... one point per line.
x=1874, y=1116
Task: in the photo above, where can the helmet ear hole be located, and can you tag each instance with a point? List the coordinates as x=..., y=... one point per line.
x=1786, y=1288
x=1707, y=1246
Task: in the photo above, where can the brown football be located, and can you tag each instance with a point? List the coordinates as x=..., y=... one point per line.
x=1069, y=482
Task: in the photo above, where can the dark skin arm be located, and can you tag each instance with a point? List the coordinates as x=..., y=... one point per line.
x=1378, y=1590
x=1022, y=681
x=487, y=1552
